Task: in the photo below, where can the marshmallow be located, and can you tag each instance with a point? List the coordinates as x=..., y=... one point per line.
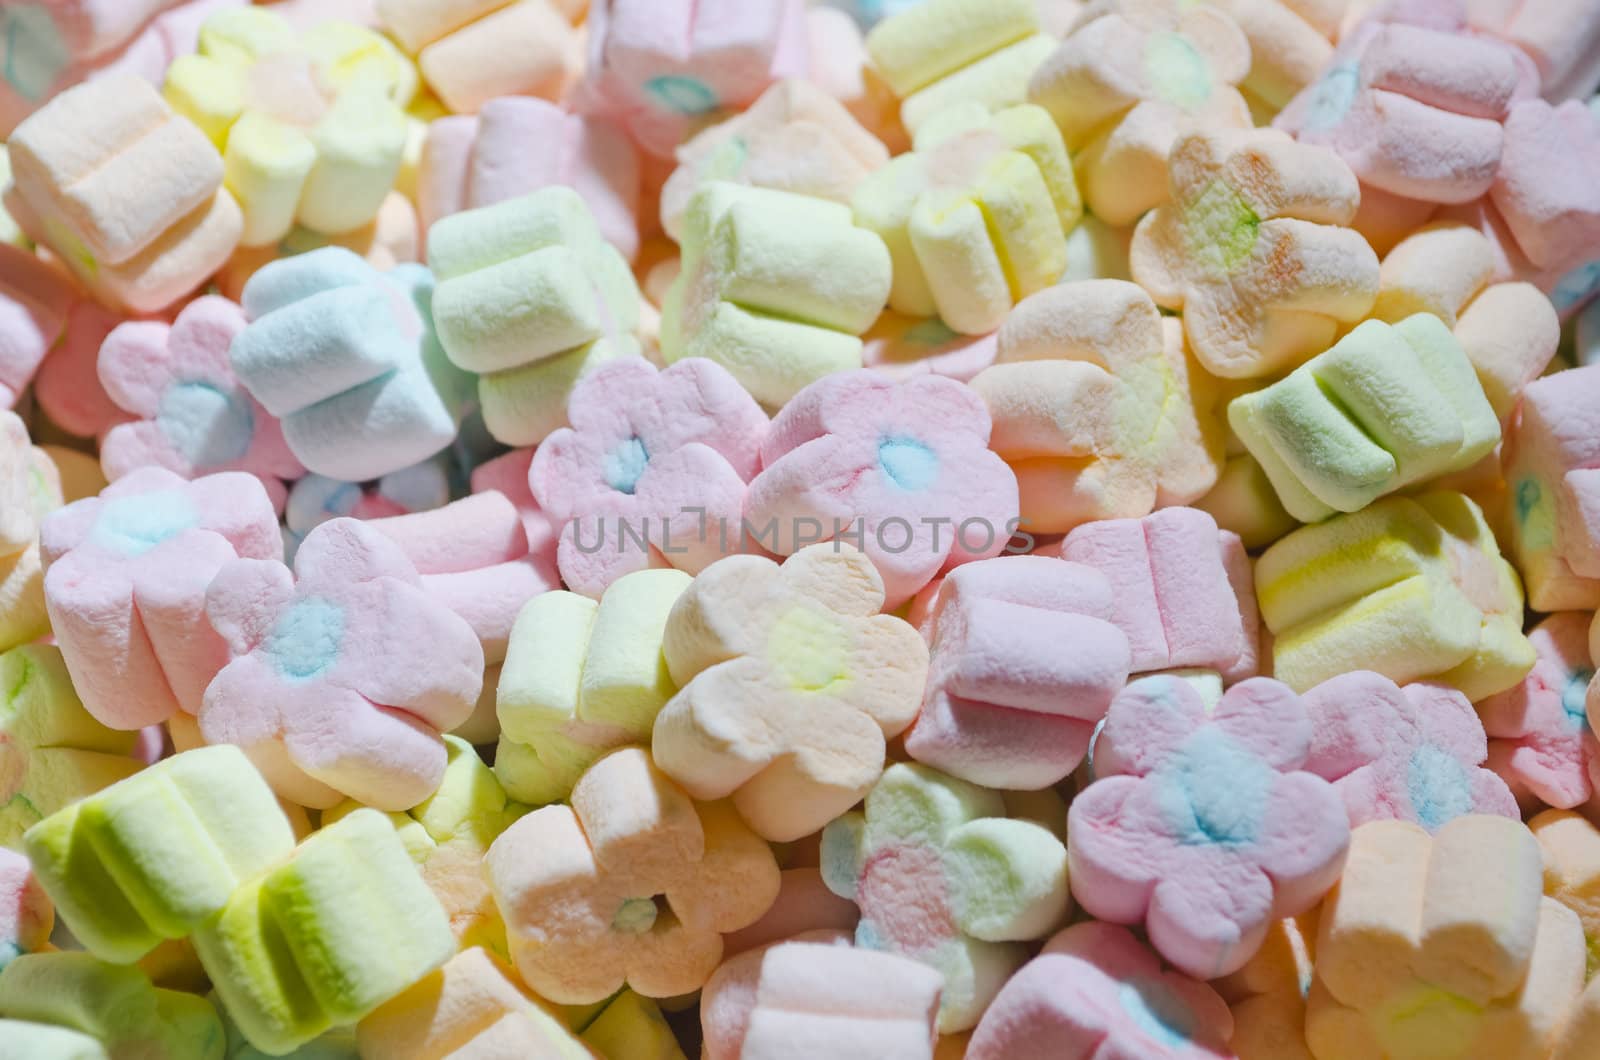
x=1290, y=44
x=125, y=584
x=1539, y=734
x=794, y=138
x=26, y=915
x=1577, y=1037
x=530, y=297
x=942, y=52
x=30, y=489
x=813, y=998
x=582, y=678
x=1442, y=946
x=1267, y=996
x=1181, y=590
x=343, y=674
x=1204, y=826
x=80, y=472
x=1130, y=77
x=1025, y=657
x=195, y=418
x=1411, y=754
x=41, y=1039
x=1095, y=990
x=68, y=388
x=775, y=287
x=346, y=357
x=854, y=454
x=517, y=145
x=313, y=500
x=127, y=192
x=791, y=683
x=471, y=51
x=902, y=347
x=632, y=1025
x=324, y=938
x=804, y=904
x=976, y=217
x=153, y=856
x=652, y=458
x=1570, y=846
x=1560, y=37
x=1385, y=408
x=1243, y=502
x=1412, y=588
x=1252, y=250
x=630, y=885
x=34, y=300
x=943, y=877
x=1547, y=209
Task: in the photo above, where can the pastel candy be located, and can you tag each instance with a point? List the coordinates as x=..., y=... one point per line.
x=651, y=473
x=52, y=751
x=1290, y=43
x=30, y=488
x=580, y=679
x=389, y=239
x=470, y=1009
x=804, y=905
x=630, y=885
x=343, y=673
x=1442, y=946
x=941, y=52
x=1387, y=407
x=1251, y=248
x=1025, y=658
x=72, y=165
x=154, y=855
x=346, y=358
x=315, y=499
x=1128, y=78
x=775, y=287
x=1204, y=826
x=812, y=998
x=1267, y=996
x=631, y=1024
x=790, y=685
x=900, y=347
x=26, y=915
x=976, y=217
x=117, y=1007
x=34, y=300
x=532, y=299
x=1549, y=212
x=324, y=938
x=1412, y=588
x=1570, y=846
x=1243, y=501
x=195, y=418
x=1576, y=1040
x=854, y=454
x=795, y=137
x=472, y=51
x=23, y=1039
x=1095, y=990
x=1559, y=37
x=982, y=883
x=125, y=584
x=518, y=144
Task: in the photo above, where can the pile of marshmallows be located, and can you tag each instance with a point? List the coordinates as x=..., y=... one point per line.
x=635, y=528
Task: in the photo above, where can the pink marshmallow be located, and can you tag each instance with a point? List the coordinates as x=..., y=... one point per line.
x=34, y=301
x=26, y=912
x=125, y=585
x=804, y=904
x=1546, y=190
x=68, y=386
x=1025, y=659
x=901, y=347
x=1184, y=591
x=343, y=675
x=1561, y=36
x=508, y=474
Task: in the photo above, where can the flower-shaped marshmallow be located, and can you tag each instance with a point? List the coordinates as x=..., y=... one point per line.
x=35, y=297
x=1096, y=990
x=1540, y=740
x=791, y=684
x=652, y=471
x=1252, y=250
x=631, y=885
x=1205, y=827
x=344, y=674
x=1127, y=81
x=195, y=417
x=30, y=488
x=902, y=469
x=125, y=584
x=1414, y=753
x=944, y=877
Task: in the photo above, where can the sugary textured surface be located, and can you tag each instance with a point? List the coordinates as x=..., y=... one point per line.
x=1411, y=754
x=900, y=347
x=1025, y=657
x=944, y=877
x=1095, y=990
x=315, y=499
x=1387, y=407
x=1550, y=210
x=325, y=937
x=67, y=387
x=472, y=52
x=1252, y=249
x=26, y=915
x=804, y=904
x=652, y=471
x=155, y=855
x=630, y=885
x=901, y=469
x=1204, y=826
x=1570, y=846
x=125, y=584
x=791, y=684
x=34, y=300
x=343, y=674
x=389, y=239
x=1267, y=995
x=30, y=489
x=1290, y=43
x=1413, y=588
x=1442, y=947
